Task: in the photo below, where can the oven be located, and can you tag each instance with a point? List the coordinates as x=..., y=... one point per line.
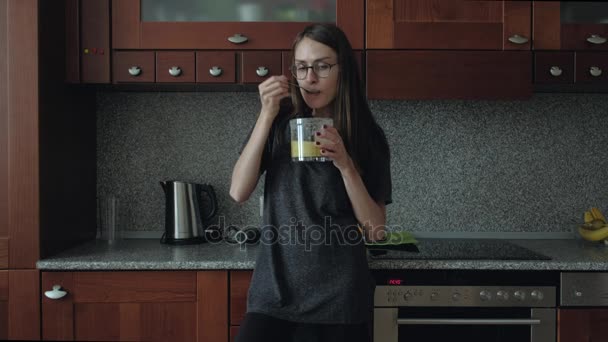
x=465, y=306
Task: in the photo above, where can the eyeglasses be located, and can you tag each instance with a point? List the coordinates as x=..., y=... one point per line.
x=321, y=69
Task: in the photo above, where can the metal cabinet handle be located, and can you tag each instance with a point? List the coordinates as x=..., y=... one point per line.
x=465, y=321
x=238, y=39
x=262, y=71
x=517, y=39
x=596, y=39
x=215, y=71
x=134, y=71
x=595, y=71
x=56, y=293
x=556, y=71
x=175, y=71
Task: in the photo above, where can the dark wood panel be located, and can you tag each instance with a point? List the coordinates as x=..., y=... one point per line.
x=135, y=322
x=67, y=165
x=95, y=38
x=134, y=287
x=97, y=322
x=4, y=252
x=72, y=41
x=3, y=119
x=212, y=310
x=239, y=286
x=585, y=61
x=379, y=33
x=196, y=35
x=545, y=60
x=251, y=60
x=170, y=322
x=23, y=187
x=582, y=325
x=125, y=24
x=448, y=36
x=184, y=60
x=546, y=25
x=4, y=285
x=517, y=21
x=225, y=60
x=350, y=16
x=24, y=303
x=4, y=298
x=443, y=11
x=574, y=36
x=449, y=74
x=57, y=314
x=124, y=60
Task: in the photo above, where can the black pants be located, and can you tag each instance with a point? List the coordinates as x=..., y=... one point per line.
x=262, y=328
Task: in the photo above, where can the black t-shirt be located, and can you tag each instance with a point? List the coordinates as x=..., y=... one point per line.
x=311, y=265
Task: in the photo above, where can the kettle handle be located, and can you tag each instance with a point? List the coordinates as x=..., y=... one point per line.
x=209, y=190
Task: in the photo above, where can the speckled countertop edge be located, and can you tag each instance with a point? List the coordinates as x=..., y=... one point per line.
x=143, y=254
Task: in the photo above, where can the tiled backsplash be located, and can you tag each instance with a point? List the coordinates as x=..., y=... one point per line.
x=457, y=166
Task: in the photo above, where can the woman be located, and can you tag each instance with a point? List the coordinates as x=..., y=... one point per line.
x=311, y=281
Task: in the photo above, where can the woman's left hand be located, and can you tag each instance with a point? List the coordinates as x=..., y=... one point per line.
x=331, y=145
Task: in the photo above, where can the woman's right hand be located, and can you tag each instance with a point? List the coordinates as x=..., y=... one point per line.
x=272, y=91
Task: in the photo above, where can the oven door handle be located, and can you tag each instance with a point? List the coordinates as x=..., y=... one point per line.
x=474, y=321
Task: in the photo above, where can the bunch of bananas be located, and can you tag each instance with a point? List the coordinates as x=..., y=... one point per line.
x=595, y=227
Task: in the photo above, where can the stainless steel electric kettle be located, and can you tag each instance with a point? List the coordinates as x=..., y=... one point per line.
x=187, y=211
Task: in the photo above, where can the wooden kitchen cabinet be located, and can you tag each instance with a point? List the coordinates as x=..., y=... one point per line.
x=570, y=25
x=582, y=325
x=133, y=66
x=256, y=66
x=145, y=24
x=135, y=306
x=87, y=46
x=448, y=25
x=592, y=67
x=554, y=67
x=175, y=67
x=215, y=67
x=239, y=286
x=449, y=74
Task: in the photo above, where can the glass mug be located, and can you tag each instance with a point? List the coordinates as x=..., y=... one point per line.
x=303, y=147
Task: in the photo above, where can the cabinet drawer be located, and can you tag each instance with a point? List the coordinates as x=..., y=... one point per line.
x=133, y=66
x=576, y=36
x=256, y=66
x=554, y=67
x=239, y=285
x=449, y=74
x=592, y=67
x=175, y=66
x=216, y=67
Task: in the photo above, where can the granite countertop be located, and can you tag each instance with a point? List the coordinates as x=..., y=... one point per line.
x=148, y=254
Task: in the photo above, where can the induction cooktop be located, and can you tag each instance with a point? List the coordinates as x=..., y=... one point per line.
x=460, y=249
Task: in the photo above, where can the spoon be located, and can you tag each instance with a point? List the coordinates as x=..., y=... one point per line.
x=306, y=90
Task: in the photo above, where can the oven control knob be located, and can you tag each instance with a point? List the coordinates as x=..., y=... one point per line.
x=456, y=296
x=538, y=295
x=407, y=295
x=434, y=296
x=502, y=295
x=485, y=295
x=520, y=295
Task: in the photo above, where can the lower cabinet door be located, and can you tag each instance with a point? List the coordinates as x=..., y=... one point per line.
x=19, y=305
x=135, y=306
x=582, y=325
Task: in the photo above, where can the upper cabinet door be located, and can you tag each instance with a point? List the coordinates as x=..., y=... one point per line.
x=235, y=24
x=450, y=25
x=570, y=25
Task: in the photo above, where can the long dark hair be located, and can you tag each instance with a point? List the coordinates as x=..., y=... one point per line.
x=351, y=113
